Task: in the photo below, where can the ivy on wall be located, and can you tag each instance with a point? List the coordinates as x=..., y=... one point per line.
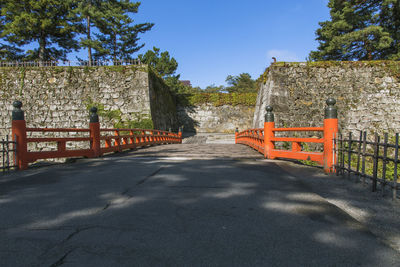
x=217, y=99
x=115, y=116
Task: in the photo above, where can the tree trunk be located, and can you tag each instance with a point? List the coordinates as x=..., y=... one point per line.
x=42, y=49
x=115, y=49
x=89, y=38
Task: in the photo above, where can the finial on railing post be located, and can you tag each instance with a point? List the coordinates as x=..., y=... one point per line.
x=331, y=110
x=93, y=115
x=330, y=133
x=17, y=113
x=94, y=127
x=269, y=115
x=18, y=129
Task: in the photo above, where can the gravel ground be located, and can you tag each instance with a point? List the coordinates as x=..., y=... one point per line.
x=379, y=213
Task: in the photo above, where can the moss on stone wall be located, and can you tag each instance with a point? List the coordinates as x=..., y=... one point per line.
x=390, y=66
x=138, y=120
x=366, y=92
x=162, y=102
x=218, y=99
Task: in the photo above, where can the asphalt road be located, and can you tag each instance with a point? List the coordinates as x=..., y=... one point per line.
x=177, y=205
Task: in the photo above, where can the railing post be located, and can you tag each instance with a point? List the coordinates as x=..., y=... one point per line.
x=180, y=134
x=236, y=134
x=94, y=127
x=19, y=136
x=330, y=132
x=269, y=124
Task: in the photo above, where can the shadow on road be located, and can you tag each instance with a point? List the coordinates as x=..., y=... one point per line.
x=130, y=209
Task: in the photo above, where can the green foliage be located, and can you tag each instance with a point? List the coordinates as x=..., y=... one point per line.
x=165, y=67
x=214, y=89
x=115, y=116
x=218, y=99
x=47, y=23
x=53, y=26
x=89, y=13
x=243, y=83
x=163, y=63
x=10, y=53
x=369, y=164
x=177, y=87
x=305, y=147
x=118, y=34
x=112, y=115
x=138, y=123
x=22, y=80
x=359, y=30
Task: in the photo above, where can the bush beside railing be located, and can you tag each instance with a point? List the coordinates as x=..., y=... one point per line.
x=99, y=144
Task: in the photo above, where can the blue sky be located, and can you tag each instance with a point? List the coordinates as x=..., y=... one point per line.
x=212, y=39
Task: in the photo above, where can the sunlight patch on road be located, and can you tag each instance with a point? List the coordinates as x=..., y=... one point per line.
x=5, y=200
x=333, y=239
x=233, y=190
x=292, y=208
x=61, y=219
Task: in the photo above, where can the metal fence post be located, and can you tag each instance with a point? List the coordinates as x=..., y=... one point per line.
x=180, y=134
x=19, y=135
x=94, y=126
x=269, y=124
x=330, y=131
x=236, y=134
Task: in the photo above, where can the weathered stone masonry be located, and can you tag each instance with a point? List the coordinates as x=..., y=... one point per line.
x=207, y=118
x=59, y=96
x=367, y=94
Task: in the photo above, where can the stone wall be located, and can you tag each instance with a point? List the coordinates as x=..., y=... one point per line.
x=60, y=96
x=162, y=104
x=207, y=118
x=367, y=94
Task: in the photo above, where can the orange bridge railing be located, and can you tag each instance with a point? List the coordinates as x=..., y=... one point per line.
x=263, y=139
x=99, y=141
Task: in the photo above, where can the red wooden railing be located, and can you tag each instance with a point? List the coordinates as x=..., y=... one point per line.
x=100, y=140
x=263, y=139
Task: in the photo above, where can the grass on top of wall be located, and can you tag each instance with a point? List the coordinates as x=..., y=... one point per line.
x=217, y=99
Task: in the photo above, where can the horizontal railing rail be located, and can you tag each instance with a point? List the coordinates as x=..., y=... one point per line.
x=98, y=141
x=263, y=139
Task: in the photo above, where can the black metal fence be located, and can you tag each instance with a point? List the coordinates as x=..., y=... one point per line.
x=370, y=161
x=61, y=63
x=8, y=148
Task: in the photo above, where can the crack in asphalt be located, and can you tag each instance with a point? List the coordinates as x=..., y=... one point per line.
x=77, y=231
x=125, y=192
x=148, y=177
x=69, y=237
x=61, y=260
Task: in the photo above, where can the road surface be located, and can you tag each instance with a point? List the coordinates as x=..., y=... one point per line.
x=177, y=205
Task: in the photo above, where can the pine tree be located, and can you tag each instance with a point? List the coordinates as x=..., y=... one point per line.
x=7, y=51
x=118, y=35
x=89, y=13
x=243, y=83
x=162, y=63
x=389, y=19
x=47, y=23
x=353, y=33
